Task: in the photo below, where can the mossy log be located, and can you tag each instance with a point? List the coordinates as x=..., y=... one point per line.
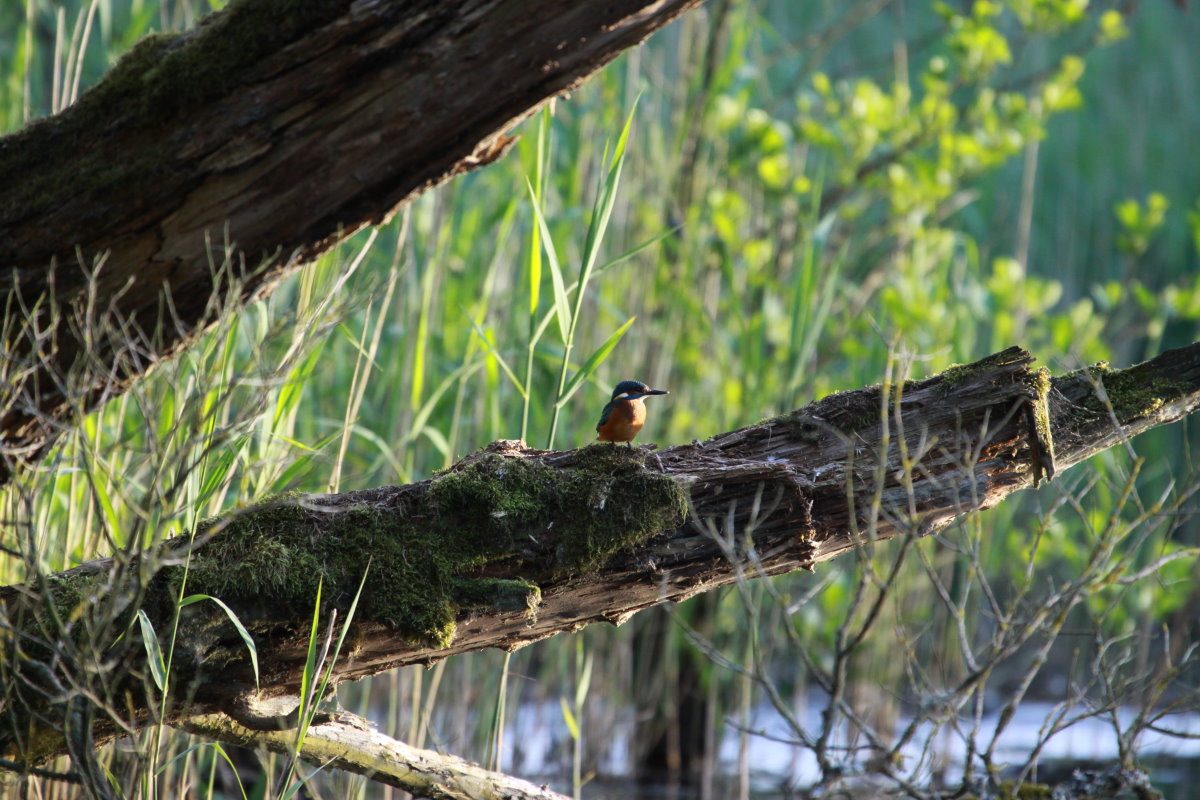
x=258, y=140
x=513, y=544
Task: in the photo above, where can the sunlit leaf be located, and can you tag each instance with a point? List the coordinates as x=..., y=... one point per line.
x=247, y=639
x=154, y=656
x=562, y=306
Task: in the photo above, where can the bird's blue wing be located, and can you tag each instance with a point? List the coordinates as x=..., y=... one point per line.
x=604, y=415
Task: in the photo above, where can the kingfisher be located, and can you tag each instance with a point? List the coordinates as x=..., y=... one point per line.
x=625, y=414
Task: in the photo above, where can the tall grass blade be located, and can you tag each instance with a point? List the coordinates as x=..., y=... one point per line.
x=337, y=648
x=562, y=305
x=499, y=710
x=601, y=212
x=604, y=207
x=154, y=656
x=301, y=465
x=633, y=251
x=420, y=354
x=491, y=348
x=538, y=186
x=595, y=360
x=421, y=419
x=214, y=746
x=569, y=718
x=237, y=624
x=216, y=473
x=308, y=677
x=584, y=680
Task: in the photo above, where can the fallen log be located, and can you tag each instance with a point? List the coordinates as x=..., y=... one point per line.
x=514, y=544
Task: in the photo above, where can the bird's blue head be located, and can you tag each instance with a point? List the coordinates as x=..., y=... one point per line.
x=632, y=390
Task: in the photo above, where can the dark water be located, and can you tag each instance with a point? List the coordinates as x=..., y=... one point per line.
x=1174, y=778
x=780, y=770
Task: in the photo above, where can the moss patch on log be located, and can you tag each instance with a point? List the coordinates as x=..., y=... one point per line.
x=71, y=595
x=214, y=57
x=1040, y=430
x=957, y=374
x=1131, y=392
x=423, y=548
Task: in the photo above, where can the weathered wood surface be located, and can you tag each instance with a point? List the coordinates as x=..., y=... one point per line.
x=782, y=495
x=259, y=139
x=355, y=747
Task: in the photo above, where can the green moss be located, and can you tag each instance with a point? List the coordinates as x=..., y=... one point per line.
x=1009, y=790
x=1130, y=392
x=1043, y=436
x=71, y=593
x=424, y=548
x=607, y=503
x=43, y=162
x=56, y=615
x=957, y=374
x=224, y=47
x=862, y=415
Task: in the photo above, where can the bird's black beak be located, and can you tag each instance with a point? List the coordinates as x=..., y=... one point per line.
x=655, y=391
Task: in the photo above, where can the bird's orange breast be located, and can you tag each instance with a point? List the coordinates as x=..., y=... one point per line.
x=624, y=422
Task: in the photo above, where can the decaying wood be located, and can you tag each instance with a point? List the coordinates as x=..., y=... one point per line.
x=353, y=746
x=208, y=164
x=785, y=494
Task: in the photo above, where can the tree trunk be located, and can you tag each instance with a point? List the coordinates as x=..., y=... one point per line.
x=513, y=545
x=208, y=164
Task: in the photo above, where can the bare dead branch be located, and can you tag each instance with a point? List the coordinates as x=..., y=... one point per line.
x=353, y=746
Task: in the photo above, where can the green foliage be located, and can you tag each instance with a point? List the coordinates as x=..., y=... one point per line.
x=1140, y=223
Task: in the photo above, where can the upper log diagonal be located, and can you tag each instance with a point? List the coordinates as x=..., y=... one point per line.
x=513, y=545
x=208, y=164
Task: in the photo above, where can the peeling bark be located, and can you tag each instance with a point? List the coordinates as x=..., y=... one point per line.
x=255, y=142
x=786, y=494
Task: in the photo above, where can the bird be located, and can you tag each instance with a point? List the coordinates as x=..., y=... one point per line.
x=625, y=413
